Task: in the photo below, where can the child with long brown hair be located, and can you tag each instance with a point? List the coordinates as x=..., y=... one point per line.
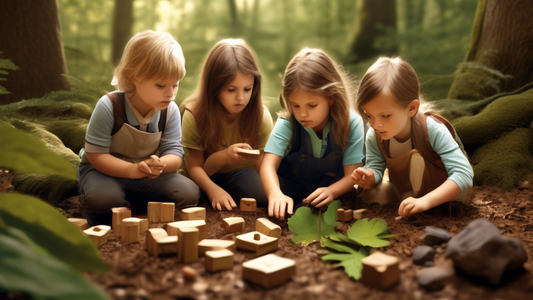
x=317, y=141
x=418, y=147
x=226, y=113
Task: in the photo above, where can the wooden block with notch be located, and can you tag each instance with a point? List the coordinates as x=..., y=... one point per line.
x=258, y=242
x=248, y=204
x=218, y=260
x=268, y=271
x=193, y=213
x=344, y=215
x=380, y=270
x=119, y=214
x=188, y=238
x=158, y=242
x=98, y=234
x=233, y=224
x=267, y=227
x=249, y=154
x=172, y=228
x=154, y=212
x=167, y=212
x=80, y=223
x=358, y=213
x=212, y=245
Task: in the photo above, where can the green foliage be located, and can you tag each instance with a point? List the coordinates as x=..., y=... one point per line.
x=51, y=188
x=29, y=269
x=304, y=223
x=45, y=226
x=5, y=64
x=366, y=233
x=350, y=257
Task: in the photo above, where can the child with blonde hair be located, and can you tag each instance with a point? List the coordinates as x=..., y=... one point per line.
x=224, y=116
x=133, y=141
x=419, y=148
x=317, y=141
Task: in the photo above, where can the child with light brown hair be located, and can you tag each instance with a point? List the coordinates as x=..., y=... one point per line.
x=418, y=147
x=225, y=115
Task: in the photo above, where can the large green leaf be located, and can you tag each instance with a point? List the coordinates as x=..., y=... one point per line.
x=29, y=269
x=304, y=223
x=369, y=233
x=24, y=154
x=350, y=257
x=51, y=230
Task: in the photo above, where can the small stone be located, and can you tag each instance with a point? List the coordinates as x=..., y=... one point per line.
x=407, y=252
x=119, y=293
x=435, y=236
x=200, y=287
x=239, y=284
x=434, y=278
x=423, y=256
x=189, y=273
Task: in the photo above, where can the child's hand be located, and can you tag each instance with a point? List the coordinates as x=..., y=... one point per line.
x=364, y=178
x=220, y=200
x=152, y=167
x=233, y=156
x=411, y=206
x=319, y=197
x=278, y=205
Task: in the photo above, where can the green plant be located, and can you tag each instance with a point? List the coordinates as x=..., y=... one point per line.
x=5, y=64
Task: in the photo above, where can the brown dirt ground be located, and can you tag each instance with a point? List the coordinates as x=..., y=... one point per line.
x=136, y=275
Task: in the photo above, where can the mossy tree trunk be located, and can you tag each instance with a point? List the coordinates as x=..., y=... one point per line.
x=30, y=36
x=500, y=56
x=375, y=17
x=122, y=24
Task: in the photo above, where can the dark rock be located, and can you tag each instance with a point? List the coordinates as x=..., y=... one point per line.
x=480, y=250
x=434, y=278
x=423, y=256
x=435, y=236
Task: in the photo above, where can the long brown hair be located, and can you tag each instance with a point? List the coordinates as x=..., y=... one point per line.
x=315, y=72
x=220, y=68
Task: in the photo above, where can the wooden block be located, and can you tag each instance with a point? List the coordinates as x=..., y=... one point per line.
x=80, y=223
x=158, y=242
x=358, y=213
x=213, y=245
x=193, y=213
x=119, y=213
x=380, y=270
x=167, y=212
x=154, y=212
x=258, y=242
x=344, y=215
x=143, y=226
x=131, y=230
x=233, y=224
x=172, y=228
x=248, y=204
x=267, y=227
x=98, y=234
x=249, y=154
x=269, y=270
x=218, y=260
x=188, y=244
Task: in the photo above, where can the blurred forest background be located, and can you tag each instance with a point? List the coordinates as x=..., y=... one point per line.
x=433, y=35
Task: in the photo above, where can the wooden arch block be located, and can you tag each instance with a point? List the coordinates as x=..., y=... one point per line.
x=258, y=242
x=269, y=270
x=358, y=213
x=158, y=242
x=119, y=214
x=248, y=204
x=344, y=215
x=172, y=228
x=212, y=245
x=233, y=224
x=98, y=234
x=267, y=227
x=380, y=270
x=193, y=213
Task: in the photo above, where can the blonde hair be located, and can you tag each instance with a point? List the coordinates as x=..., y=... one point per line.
x=312, y=70
x=394, y=77
x=220, y=68
x=149, y=55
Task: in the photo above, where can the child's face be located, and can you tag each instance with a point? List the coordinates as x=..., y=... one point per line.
x=388, y=118
x=310, y=110
x=236, y=95
x=155, y=93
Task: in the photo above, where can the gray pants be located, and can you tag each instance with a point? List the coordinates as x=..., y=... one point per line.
x=102, y=192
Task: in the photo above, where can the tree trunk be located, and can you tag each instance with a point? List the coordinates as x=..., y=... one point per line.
x=499, y=58
x=122, y=24
x=233, y=13
x=375, y=18
x=30, y=36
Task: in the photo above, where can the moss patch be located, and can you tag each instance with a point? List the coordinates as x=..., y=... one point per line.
x=70, y=132
x=51, y=188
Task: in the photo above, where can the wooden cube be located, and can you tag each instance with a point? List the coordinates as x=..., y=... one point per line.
x=167, y=212
x=158, y=242
x=218, y=260
x=172, y=228
x=119, y=214
x=267, y=227
x=248, y=204
x=193, y=213
x=213, y=245
x=98, y=234
x=344, y=215
x=269, y=270
x=154, y=212
x=80, y=223
x=188, y=244
x=233, y=224
x=258, y=242
x=358, y=213
x=249, y=154
x=380, y=270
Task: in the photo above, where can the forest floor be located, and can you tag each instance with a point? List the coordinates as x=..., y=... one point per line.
x=136, y=275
